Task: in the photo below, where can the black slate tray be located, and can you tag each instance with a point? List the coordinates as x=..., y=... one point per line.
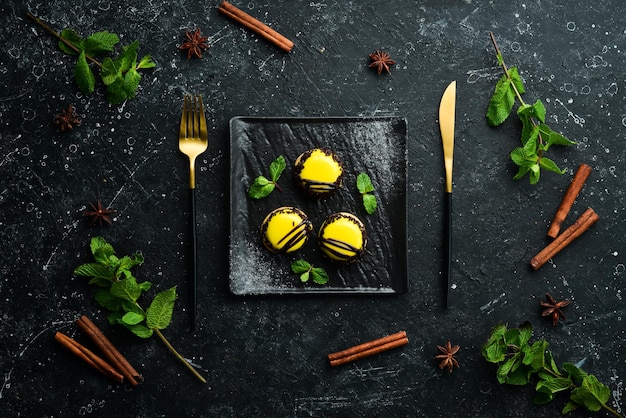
x=373, y=145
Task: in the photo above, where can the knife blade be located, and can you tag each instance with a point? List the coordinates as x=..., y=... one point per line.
x=447, y=111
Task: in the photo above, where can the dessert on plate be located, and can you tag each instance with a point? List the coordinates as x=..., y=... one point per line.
x=285, y=229
x=319, y=172
x=342, y=237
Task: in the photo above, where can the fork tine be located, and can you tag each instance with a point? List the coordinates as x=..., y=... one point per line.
x=183, y=119
x=195, y=117
x=202, y=132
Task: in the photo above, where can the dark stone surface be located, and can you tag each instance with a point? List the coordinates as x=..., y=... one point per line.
x=265, y=356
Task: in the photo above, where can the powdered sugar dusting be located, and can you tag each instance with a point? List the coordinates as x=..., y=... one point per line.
x=379, y=154
x=254, y=273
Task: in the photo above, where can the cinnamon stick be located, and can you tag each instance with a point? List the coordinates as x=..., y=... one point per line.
x=588, y=218
x=369, y=348
x=572, y=192
x=255, y=25
x=88, y=357
x=108, y=349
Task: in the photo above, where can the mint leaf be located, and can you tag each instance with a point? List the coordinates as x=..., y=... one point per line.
x=132, y=318
x=128, y=57
x=277, y=167
x=550, y=165
x=304, y=277
x=131, y=82
x=507, y=367
x=115, y=93
x=146, y=62
x=537, y=111
x=110, y=72
x=524, y=332
x=571, y=406
x=85, y=79
x=554, y=385
x=159, y=313
x=535, y=173
x=575, y=373
x=495, y=348
x=73, y=38
x=107, y=300
x=553, y=138
x=319, y=275
x=535, y=357
x=520, y=156
x=101, y=249
x=127, y=262
x=99, y=43
x=126, y=289
x=300, y=266
x=261, y=188
x=592, y=394
x=364, y=183
x=503, y=99
x=370, y=203
x=144, y=286
x=95, y=270
x=552, y=364
x=139, y=330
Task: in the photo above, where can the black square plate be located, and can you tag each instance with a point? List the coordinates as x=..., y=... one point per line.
x=376, y=146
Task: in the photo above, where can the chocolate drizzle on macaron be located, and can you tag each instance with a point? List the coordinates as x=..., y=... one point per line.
x=342, y=237
x=285, y=230
x=319, y=172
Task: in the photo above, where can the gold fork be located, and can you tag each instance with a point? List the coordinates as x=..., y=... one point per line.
x=193, y=140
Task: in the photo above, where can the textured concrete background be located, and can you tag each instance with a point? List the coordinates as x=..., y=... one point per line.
x=265, y=356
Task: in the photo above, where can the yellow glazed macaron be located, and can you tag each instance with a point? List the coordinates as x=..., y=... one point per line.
x=342, y=237
x=319, y=172
x=285, y=230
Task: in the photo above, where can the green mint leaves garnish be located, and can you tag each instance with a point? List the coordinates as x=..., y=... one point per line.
x=263, y=186
x=120, y=75
x=118, y=291
x=536, y=136
x=365, y=187
x=519, y=361
x=307, y=271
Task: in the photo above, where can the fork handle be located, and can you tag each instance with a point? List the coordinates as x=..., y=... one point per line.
x=193, y=271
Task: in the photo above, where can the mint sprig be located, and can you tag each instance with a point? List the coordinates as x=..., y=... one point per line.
x=120, y=74
x=536, y=137
x=118, y=291
x=262, y=186
x=365, y=187
x=308, y=271
x=520, y=361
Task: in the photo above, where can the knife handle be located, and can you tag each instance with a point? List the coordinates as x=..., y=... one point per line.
x=447, y=267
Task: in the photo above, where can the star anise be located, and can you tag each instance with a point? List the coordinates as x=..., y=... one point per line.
x=98, y=213
x=448, y=353
x=554, y=308
x=195, y=43
x=382, y=61
x=67, y=119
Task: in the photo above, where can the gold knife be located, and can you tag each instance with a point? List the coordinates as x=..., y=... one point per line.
x=447, y=110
